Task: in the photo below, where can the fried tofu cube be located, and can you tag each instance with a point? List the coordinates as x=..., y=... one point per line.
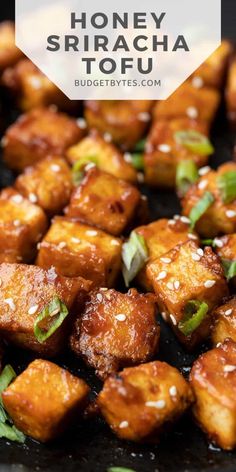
x=116, y=330
x=188, y=287
x=25, y=292
x=37, y=134
x=220, y=217
x=22, y=225
x=160, y=237
x=45, y=399
x=125, y=121
x=231, y=92
x=76, y=249
x=9, y=53
x=213, y=379
x=104, y=201
x=140, y=402
x=48, y=183
x=32, y=89
x=212, y=71
x=224, y=322
x=107, y=156
x=187, y=101
x=163, y=152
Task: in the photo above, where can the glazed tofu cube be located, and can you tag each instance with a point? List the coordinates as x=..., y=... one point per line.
x=25, y=292
x=104, y=201
x=116, y=330
x=188, y=287
x=75, y=249
x=225, y=247
x=164, y=152
x=9, y=53
x=212, y=71
x=220, y=216
x=231, y=92
x=125, y=121
x=33, y=89
x=187, y=101
x=140, y=401
x=37, y=134
x=45, y=399
x=48, y=183
x=107, y=156
x=213, y=379
x=22, y=225
x=224, y=322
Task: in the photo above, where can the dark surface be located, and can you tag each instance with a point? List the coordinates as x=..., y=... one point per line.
x=91, y=447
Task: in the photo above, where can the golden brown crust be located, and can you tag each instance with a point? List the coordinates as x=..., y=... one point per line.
x=9, y=53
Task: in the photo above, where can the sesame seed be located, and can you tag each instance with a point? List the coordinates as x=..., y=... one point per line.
x=38, y=246
x=10, y=302
x=33, y=198
x=192, y=112
x=218, y=242
x=204, y=170
x=170, y=285
x=62, y=245
x=107, y=137
x=103, y=289
x=209, y=283
x=177, y=217
x=35, y=82
x=81, y=122
x=99, y=297
x=218, y=344
x=16, y=222
x=173, y=320
x=144, y=116
x=197, y=82
x=202, y=184
x=75, y=240
x=229, y=368
x=123, y=424
x=140, y=177
x=176, y=284
x=173, y=391
x=33, y=310
x=158, y=404
x=165, y=148
x=128, y=157
x=91, y=233
x=55, y=168
x=184, y=219
x=228, y=312
x=114, y=242
x=195, y=256
x=90, y=165
x=166, y=260
x=192, y=236
x=200, y=252
x=164, y=315
x=4, y=141
x=120, y=317
x=230, y=213
x=171, y=222
x=162, y=275
x=17, y=198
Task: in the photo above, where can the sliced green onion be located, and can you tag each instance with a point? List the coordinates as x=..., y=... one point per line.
x=186, y=175
x=11, y=433
x=78, y=168
x=195, y=312
x=229, y=268
x=140, y=146
x=6, y=377
x=227, y=186
x=208, y=242
x=134, y=256
x=138, y=161
x=200, y=208
x=8, y=431
x=194, y=142
x=119, y=469
x=57, y=311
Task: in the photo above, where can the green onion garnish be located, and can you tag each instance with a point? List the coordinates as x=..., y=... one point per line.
x=134, y=256
x=138, y=161
x=200, y=208
x=229, y=268
x=208, y=242
x=7, y=428
x=57, y=311
x=194, y=142
x=119, y=469
x=227, y=186
x=78, y=168
x=195, y=312
x=186, y=175
x=140, y=146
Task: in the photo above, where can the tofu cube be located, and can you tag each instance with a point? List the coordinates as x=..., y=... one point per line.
x=192, y=277
x=76, y=249
x=139, y=402
x=213, y=379
x=37, y=134
x=231, y=92
x=45, y=399
x=9, y=53
x=163, y=152
x=187, y=101
x=108, y=157
x=22, y=225
x=220, y=217
x=48, y=183
x=160, y=237
x=224, y=322
x=116, y=330
x=32, y=89
x=25, y=292
x=104, y=201
x=125, y=121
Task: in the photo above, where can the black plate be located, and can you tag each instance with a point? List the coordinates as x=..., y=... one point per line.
x=91, y=446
